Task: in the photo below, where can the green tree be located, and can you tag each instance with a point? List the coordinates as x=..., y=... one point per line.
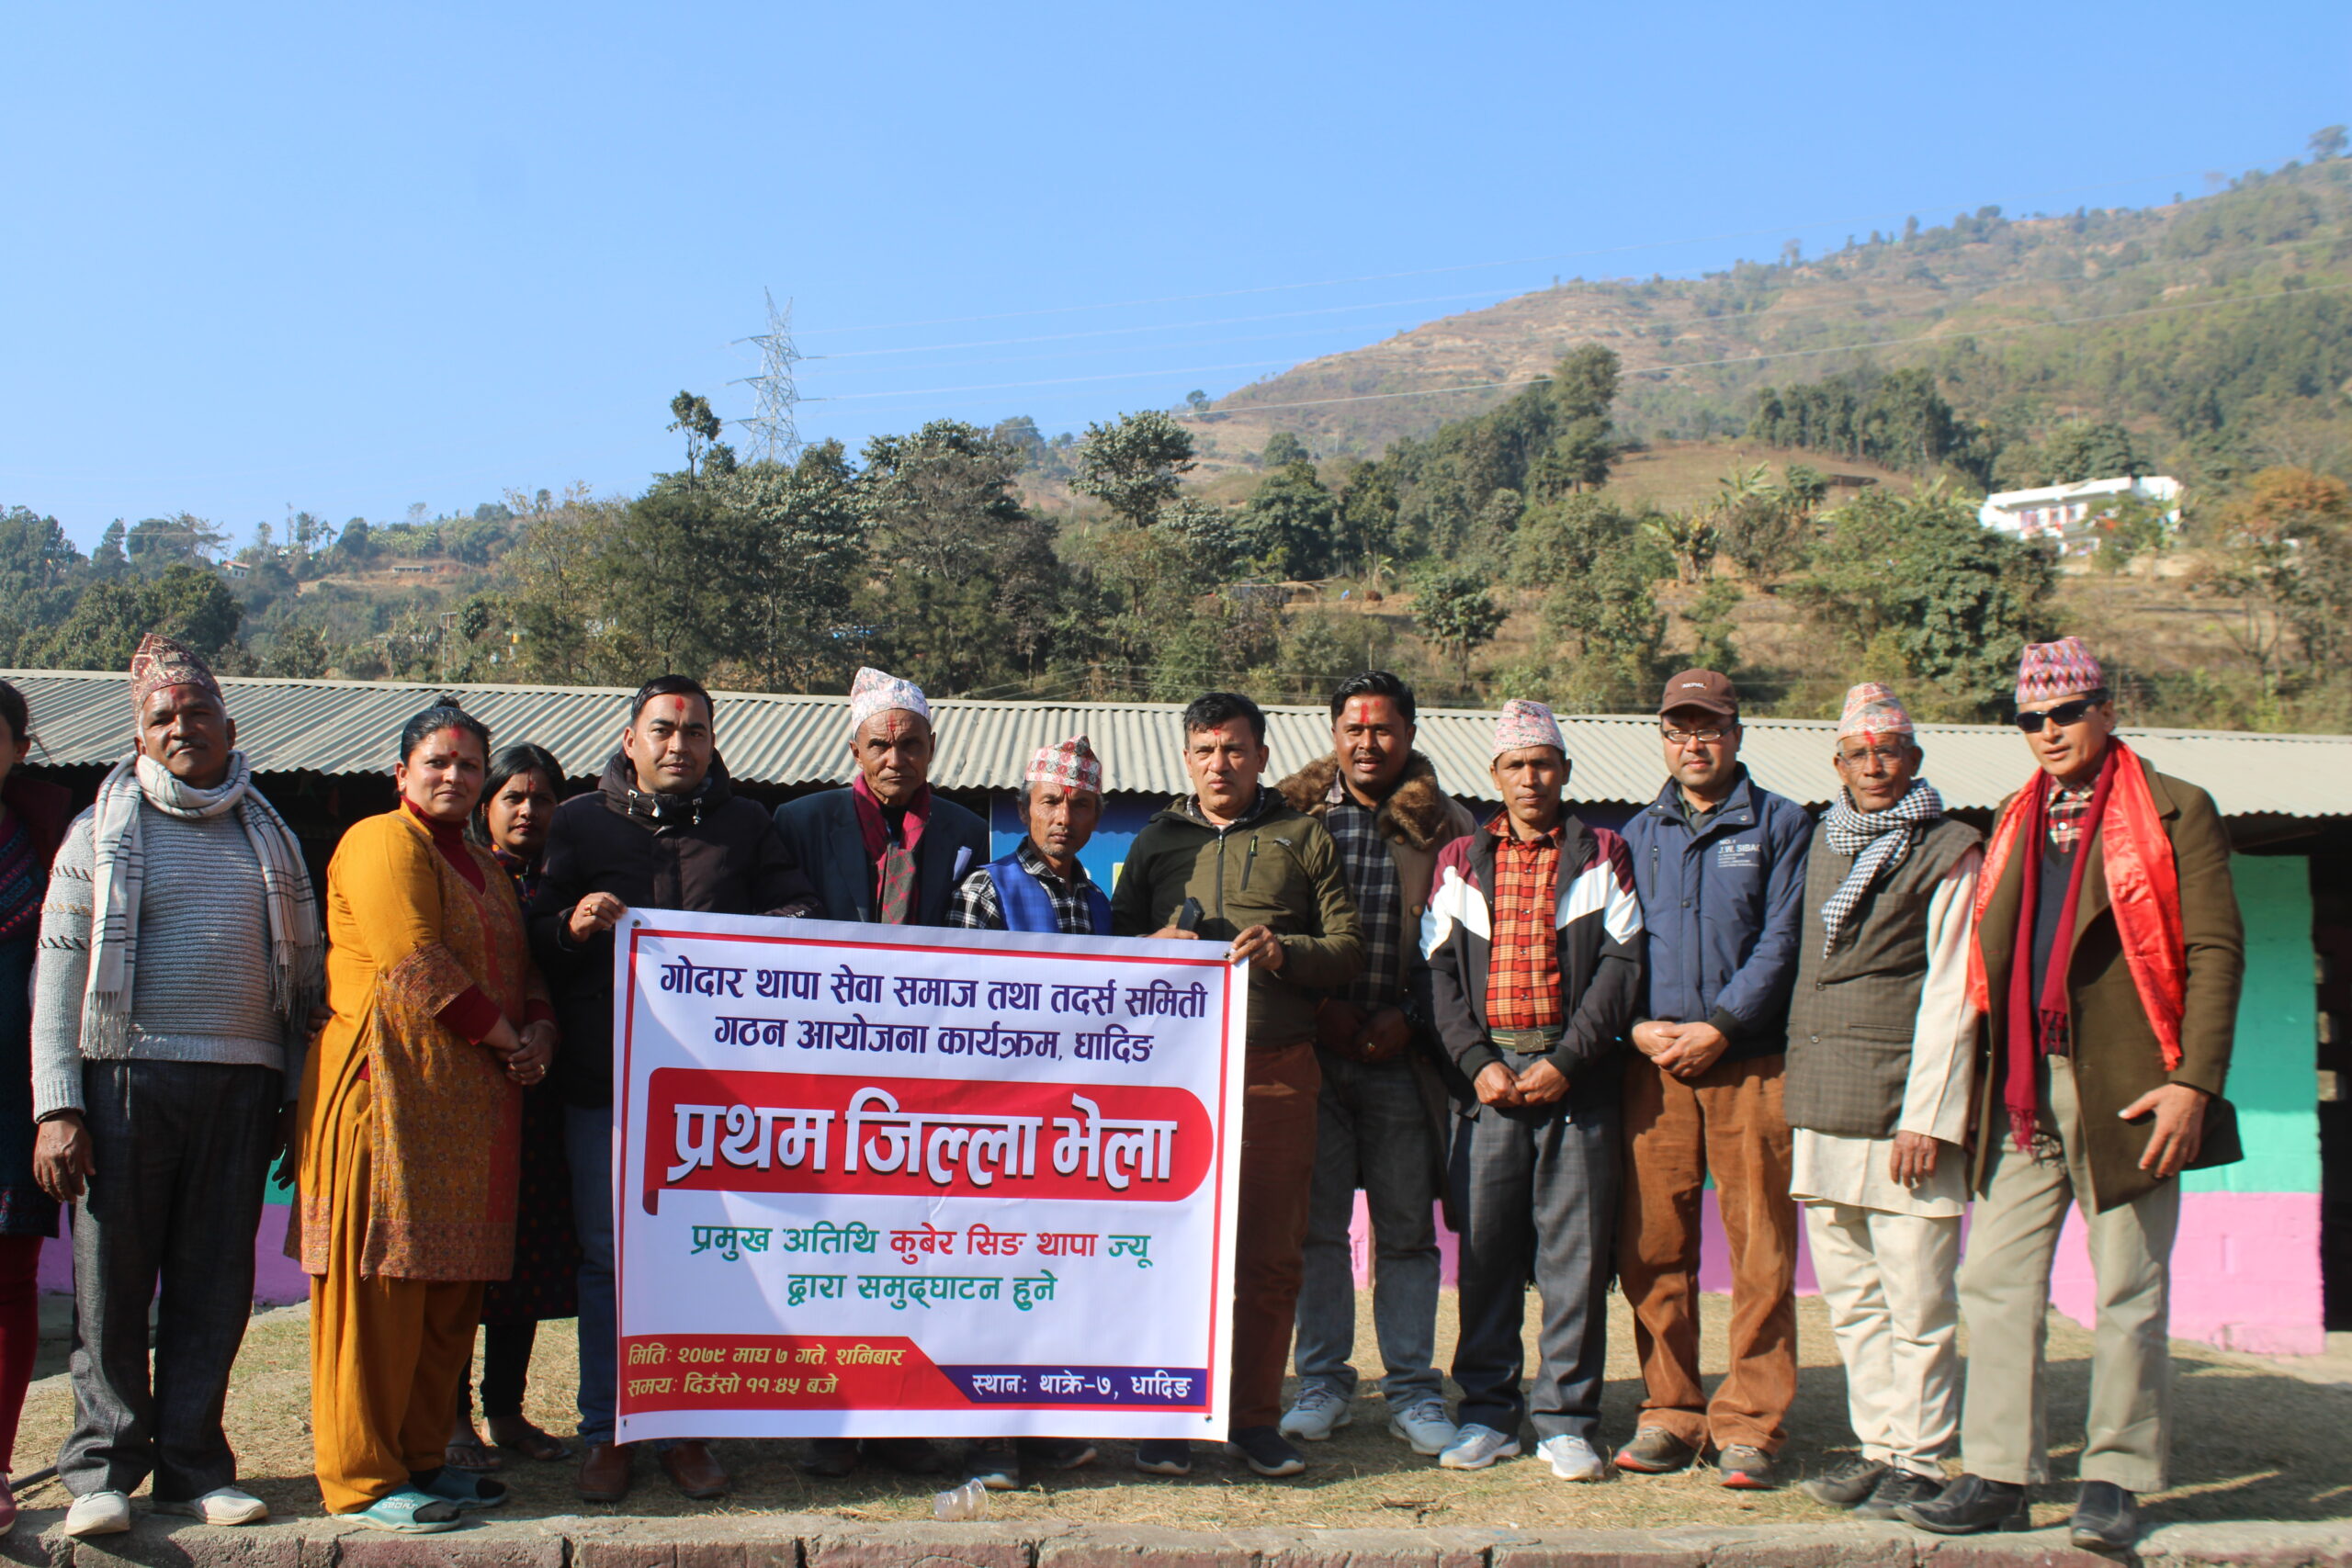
x=154, y=543
x=2090, y=451
x=1368, y=522
x=109, y=559
x=1291, y=526
x=692, y=414
x=797, y=536
x=1607, y=621
x=1135, y=465
x=1282, y=449
x=2327, y=141
x=1455, y=612
x=298, y=652
x=109, y=618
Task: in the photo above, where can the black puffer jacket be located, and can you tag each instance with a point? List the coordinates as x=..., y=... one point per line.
x=712, y=852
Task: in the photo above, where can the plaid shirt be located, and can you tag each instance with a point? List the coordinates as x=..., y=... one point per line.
x=1371, y=879
x=2070, y=812
x=973, y=905
x=1523, y=962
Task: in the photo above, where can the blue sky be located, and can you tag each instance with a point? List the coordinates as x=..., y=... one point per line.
x=349, y=258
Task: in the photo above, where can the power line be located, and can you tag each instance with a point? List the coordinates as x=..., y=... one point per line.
x=776, y=420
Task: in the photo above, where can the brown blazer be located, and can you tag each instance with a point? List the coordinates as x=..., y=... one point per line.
x=2116, y=1058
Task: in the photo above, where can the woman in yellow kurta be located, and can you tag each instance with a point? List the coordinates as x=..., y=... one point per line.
x=410, y=1117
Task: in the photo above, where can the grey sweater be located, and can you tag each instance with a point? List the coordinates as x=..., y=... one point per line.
x=200, y=992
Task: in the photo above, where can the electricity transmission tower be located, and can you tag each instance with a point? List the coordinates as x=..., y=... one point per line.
x=779, y=430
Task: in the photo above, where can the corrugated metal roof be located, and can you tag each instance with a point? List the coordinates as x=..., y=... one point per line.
x=348, y=727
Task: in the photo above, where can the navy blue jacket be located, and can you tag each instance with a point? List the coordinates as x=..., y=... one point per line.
x=823, y=834
x=1724, y=909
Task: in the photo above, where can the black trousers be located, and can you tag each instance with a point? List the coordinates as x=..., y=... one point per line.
x=182, y=1151
x=1536, y=1192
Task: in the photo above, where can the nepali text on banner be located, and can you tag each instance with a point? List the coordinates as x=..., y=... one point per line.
x=876, y=1181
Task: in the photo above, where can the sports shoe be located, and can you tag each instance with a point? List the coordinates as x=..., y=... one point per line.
x=221, y=1506
x=1847, y=1485
x=99, y=1513
x=1266, y=1450
x=1318, y=1414
x=1425, y=1425
x=1655, y=1451
x=1476, y=1447
x=1164, y=1456
x=1056, y=1453
x=1896, y=1489
x=1744, y=1468
x=1573, y=1459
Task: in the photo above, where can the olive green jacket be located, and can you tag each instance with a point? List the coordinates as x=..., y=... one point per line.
x=1275, y=867
x=2115, y=1058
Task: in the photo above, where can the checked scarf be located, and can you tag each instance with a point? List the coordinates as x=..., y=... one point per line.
x=297, y=974
x=1880, y=842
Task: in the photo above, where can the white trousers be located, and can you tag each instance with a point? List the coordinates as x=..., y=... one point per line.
x=1888, y=1281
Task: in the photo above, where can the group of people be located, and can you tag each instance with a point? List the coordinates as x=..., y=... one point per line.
x=1555, y=1033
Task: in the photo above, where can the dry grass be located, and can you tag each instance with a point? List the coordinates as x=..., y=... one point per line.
x=2252, y=1442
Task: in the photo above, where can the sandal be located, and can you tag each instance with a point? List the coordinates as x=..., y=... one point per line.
x=462, y=1489
x=470, y=1453
x=525, y=1438
x=409, y=1512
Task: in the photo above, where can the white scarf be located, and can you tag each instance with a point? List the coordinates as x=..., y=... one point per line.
x=296, y=955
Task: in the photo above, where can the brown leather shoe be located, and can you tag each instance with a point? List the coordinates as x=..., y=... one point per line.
x=604, y=1474
x=691, y=1467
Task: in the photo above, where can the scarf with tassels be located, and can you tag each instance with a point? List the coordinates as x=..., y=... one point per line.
x=2143, y=892
x=297, y=972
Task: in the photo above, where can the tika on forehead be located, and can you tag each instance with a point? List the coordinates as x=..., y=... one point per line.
x=1071, y=764
x=1871, y=710
x=874, y=692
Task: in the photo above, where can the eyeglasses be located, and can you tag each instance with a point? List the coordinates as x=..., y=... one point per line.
x=2067, y=714
x=1678, y=737
x=1885, y=756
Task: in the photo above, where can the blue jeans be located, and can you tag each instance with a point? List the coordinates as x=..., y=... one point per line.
x=1372, y=1130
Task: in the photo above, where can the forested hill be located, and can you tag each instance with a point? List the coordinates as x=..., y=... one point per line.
x=2212, y=322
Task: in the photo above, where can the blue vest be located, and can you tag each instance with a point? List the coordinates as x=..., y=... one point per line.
x=1029, y=908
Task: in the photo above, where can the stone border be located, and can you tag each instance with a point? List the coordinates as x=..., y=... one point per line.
x=805, y=1540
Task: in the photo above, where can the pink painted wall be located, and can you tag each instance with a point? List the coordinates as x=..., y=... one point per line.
x=277, y=1278
x=2246, y=1270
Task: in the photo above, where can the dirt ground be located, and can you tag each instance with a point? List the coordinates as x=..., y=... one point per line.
x=2250, y=1441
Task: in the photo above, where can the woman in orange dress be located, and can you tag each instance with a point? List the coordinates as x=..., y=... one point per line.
x=411, y=1116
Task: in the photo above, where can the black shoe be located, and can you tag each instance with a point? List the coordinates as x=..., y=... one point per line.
x=1266, y=1450
x=1894, y=1489
x=1056, y=1453
x=995, y=1463
x=1164, y=1456
x=908, y=1456
x=2107, y=1518
x=1747, y=1469
x=1655, y=1451
x=1971, y=1505
x=832, y=1458
x=1843, y=1485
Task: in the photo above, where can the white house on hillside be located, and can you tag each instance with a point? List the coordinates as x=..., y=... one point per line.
x=2056, y=512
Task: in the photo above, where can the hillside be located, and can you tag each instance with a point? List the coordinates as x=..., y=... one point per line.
x=1979, y=301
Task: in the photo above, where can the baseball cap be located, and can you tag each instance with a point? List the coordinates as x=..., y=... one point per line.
x=1702, y=689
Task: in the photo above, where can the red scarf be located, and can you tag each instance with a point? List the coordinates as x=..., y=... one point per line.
x=2143, y=893
x=893, y=859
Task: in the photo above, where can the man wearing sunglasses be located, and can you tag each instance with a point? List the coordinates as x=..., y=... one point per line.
x=1719, y=863
x=2107, y=962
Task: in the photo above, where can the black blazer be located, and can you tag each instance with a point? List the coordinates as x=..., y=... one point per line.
x=822, y=832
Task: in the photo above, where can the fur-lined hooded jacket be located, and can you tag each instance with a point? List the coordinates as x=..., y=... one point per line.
x=1416, y=820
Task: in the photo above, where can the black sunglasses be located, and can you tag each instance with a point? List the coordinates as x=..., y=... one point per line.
x=2064, y=713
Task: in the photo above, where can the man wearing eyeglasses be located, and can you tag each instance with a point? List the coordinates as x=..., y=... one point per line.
x=1881, y=1043
x=1720, y=864
x=2107, y=958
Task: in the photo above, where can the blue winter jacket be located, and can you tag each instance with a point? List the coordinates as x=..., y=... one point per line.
x=1724, y=909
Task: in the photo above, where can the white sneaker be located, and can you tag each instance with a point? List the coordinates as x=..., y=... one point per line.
x=100, y=1513
x=1573, y=1459
x=1476, y=1447
x=221, y=1506
x=1318, y=1414
x=1425, y=1425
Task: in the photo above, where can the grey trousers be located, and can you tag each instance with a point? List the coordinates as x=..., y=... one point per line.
x=2004, y=1300
x=1537, y=1192
x=182, y=1151
x=1372, y=1130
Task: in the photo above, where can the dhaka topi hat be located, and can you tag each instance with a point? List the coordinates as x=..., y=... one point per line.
x=1071, y=764
x=161, y=661
x=1525, y=723
x=2060, y=669
x=1871, y=709
x=874, y=692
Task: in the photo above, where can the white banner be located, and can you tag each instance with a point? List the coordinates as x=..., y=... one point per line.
x=875, y=1181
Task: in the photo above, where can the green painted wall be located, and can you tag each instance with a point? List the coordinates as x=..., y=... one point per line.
x=2273, y=1080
